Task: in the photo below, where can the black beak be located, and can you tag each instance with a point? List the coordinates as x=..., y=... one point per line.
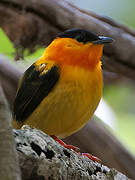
x=103, y=40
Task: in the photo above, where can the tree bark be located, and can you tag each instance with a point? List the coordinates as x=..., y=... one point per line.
x=9, y=168
x=95, y=138
x=34, y=23
x=9, y=77
x=42, y=158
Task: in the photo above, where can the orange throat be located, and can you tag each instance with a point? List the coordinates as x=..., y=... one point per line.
x=71, y=52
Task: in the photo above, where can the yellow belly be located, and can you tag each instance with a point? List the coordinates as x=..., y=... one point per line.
x=70, y=104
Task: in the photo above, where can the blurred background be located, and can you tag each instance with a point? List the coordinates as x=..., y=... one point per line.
x=118, y=106
x=119, y=96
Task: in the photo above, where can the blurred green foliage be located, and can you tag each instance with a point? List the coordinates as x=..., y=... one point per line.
x=6, y=47
x=121, y=97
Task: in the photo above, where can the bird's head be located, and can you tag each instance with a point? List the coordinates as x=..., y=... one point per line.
x=77, y=47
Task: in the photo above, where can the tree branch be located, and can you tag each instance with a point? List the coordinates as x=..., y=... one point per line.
x=34, y=23
x=95, y=138
x=9, y=77
x=9, y=169
x=41, y=157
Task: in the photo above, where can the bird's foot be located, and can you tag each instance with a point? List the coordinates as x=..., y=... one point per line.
x=76, y=149
x=93, y=158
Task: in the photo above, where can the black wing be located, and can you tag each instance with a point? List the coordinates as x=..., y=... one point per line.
x=32, y=90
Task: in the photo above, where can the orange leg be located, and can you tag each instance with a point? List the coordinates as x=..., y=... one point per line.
x=91, y=157
x=64, y=144
x=76, y=149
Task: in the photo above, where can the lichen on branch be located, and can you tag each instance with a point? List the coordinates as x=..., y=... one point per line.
x=43, y=158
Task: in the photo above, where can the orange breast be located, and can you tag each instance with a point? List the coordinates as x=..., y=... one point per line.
x=71, y=52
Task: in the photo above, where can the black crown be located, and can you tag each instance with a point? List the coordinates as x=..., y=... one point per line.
x=80, y=35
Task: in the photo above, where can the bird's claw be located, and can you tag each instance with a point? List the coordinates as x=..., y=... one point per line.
x=93, y=158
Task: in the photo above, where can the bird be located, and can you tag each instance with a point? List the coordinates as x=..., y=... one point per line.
x=60, y=92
